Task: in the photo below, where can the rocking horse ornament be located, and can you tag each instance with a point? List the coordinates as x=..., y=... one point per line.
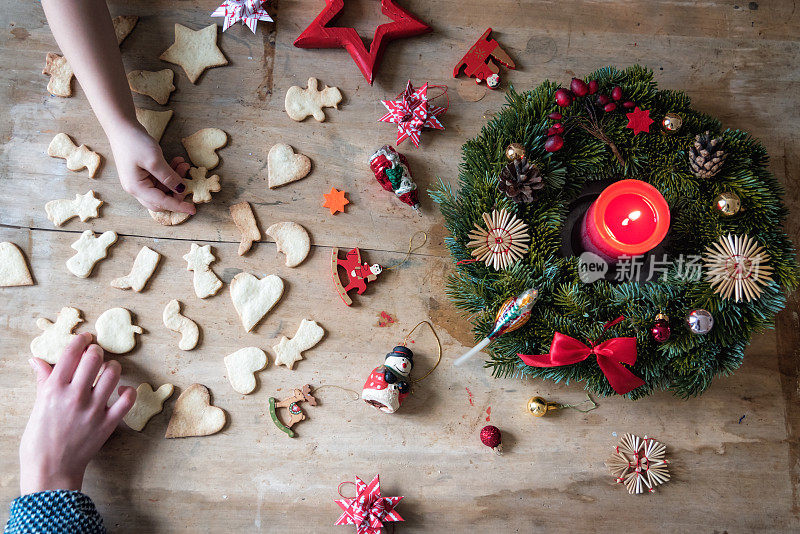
x=358, y=274
x=292, y=405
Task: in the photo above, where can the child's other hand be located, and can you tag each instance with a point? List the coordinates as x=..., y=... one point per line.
x=144, y=173
x=70, y=420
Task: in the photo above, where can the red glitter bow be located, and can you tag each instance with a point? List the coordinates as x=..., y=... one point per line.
x=368, y=510
x=611, y=354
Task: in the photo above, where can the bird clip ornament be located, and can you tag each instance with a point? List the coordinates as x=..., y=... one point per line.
x=388, y=385
x=391, y=171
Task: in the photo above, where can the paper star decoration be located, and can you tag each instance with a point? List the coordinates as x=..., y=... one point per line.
x=195, y=51
x=639, y=121
x=368, y=510
x=335, y=201
x=412, y=112
x=248, y=12
x=319, y=35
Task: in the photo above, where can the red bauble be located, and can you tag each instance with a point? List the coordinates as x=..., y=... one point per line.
x=555, y=116
x=490, y=436
x=551, y=131
x=558, y=128
x=563, y=98
x=602, y=100
x=593, y=86
x=554, y=143
x=320, y=35
x=661, y=330
x=579, y=87
x=616, y=93
x=608, y=108
x=629, y=104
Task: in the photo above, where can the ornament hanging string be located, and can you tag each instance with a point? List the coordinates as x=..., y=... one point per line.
x=411, y=250
x=575, y=406
x=339, y=489
x=443, y=93
x=348, y=390
x=438, y=346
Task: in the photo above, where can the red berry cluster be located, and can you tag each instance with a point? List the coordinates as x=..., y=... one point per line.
x=579, y=89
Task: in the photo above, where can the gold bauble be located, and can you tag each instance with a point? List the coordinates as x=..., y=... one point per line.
x=538, y=407
x=728, y=203
x=671, y=123
x=515, y=151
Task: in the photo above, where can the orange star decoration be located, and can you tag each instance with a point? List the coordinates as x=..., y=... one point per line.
x=335, y=201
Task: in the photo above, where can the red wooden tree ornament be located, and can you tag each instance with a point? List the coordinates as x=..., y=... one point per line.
x=320, y=35
x=479, y=61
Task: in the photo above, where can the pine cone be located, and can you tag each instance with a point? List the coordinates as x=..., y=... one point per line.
x=519, y=179
x=707, y=155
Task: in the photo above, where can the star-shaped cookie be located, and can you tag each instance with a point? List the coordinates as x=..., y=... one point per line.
x=195, y=51
x=335, y=200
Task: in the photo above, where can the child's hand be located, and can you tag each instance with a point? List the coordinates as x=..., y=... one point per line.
x=144, y=173
x=70, y=420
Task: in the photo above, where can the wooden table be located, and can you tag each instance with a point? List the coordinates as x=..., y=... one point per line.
x=735, y=451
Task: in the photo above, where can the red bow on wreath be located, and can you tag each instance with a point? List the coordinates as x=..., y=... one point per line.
x=611, y=354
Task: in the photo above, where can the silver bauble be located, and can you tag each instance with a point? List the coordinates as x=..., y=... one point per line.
x=700, y=322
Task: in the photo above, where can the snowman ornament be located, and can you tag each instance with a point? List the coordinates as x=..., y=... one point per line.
x=388, y=385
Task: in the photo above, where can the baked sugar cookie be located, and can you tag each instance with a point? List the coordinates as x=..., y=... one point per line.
x=155, y=122
x=155, y=84
x=148, y=403
x=55, y=336
x=202, y=146
x=300, y=103
x=194, y=415
x=13, y=267
x=284, y=166
x=195, y=51
x=78, y=157
x=242, y=366
x=253, y=298
x=60, y=73
x=84, y=207
x=291, y=239
x=190, y=333
x=90, y=250
x=288, y=351
x=143, y=268
x=205, y=281
x=200, y=186
x=116, y=331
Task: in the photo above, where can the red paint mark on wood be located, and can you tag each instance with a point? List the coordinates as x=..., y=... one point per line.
x=386, y=319
x=489, y=413
x=470, y=396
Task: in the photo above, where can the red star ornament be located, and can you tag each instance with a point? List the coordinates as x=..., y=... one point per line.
x=335, y=200
x=320, y=35
x=412, y=112
x=368, y=510
x=639, y=121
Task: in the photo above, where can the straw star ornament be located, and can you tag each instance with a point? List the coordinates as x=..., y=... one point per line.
x=737, y=267
x=502, y=242
x=368, y=510
x=639, y=463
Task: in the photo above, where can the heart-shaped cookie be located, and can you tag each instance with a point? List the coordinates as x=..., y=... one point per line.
x=242, y=366
x=194, y=415
x=284, y=166
x=253, y=298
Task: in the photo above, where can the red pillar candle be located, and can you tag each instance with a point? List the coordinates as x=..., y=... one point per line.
x=629, y=218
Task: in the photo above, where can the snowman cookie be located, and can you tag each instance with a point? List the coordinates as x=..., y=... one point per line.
x=388, y=385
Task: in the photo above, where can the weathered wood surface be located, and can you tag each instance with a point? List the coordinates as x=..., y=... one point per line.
x=735, y=474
